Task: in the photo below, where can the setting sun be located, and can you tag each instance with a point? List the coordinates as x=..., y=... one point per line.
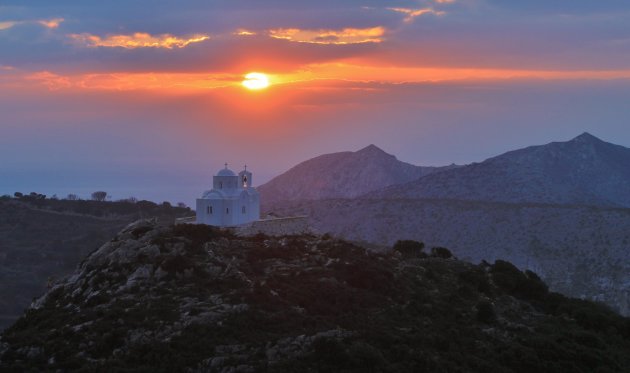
x=256, y=81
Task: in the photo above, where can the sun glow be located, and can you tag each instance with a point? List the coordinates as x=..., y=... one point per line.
x=255, y=81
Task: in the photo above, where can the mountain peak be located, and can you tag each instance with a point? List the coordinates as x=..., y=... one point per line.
x=341, y=175
x=371, y=149
x=586, y=138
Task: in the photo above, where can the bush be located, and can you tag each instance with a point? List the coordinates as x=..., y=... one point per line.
x=198, y=233
x=144, y=204
x=99, y=196
x=410, y=248
x=524, y=285
x=441, y=252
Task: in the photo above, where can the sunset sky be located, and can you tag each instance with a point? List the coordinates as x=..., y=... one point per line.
x=144, y=98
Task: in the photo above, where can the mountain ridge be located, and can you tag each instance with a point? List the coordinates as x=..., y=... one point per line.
x=341, y=175
x=584, y=170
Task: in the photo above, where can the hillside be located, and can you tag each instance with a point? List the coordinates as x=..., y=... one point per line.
x=585, y=170
x=581, y=251
x=193, y=298
x=557, y=208
x=341, y=175
x=44, y=238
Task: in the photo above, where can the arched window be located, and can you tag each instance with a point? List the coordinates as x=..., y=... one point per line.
x=210, y=210
x=220, y=184
x=243, y=209
x=227, y=210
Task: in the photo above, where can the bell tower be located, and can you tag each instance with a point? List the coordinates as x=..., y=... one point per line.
x=245, y=178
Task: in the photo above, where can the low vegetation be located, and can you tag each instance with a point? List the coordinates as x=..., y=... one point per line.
x=196, y=298
x=43, y=239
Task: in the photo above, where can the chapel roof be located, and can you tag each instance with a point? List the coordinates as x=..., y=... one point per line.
x=226, y=172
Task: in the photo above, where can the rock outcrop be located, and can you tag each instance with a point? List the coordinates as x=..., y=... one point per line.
x=195, y=298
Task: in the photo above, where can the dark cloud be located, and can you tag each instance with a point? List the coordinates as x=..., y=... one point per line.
x=565, y=34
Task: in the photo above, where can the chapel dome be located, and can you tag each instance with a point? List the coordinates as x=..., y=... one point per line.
x=226, y=172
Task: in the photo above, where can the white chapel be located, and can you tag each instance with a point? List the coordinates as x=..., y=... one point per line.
x=232, y=200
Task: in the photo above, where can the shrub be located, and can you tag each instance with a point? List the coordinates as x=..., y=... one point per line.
x=144, y=204
x=410, y=248
x=441, y=252
x=99, y=196
x=524, y=285
x=198, y=233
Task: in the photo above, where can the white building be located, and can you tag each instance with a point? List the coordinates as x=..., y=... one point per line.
x=232, y=200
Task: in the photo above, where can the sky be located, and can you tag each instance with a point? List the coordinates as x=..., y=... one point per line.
x=144, y=98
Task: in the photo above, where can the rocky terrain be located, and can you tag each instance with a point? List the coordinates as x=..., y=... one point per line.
x=581, y=251
x=195, y=298
x=585, y=170
x=341, y=175
x=44, y=239
x=560, y=209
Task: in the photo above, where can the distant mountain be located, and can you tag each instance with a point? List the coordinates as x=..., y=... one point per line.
x=585, y=170
x=193, y=298
x=342, y=175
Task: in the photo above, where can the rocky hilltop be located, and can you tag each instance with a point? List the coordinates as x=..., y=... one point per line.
x=341, y=175
x=195, y=298
x=585, y=170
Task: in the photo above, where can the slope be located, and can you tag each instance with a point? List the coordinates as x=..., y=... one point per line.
x=585, y=170
x=192, y=298
x=43, y=238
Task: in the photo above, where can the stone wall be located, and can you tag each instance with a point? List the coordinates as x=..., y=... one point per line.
x=275, y=226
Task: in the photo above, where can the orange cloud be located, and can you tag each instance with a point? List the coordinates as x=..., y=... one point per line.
x=7, y=25
x=137, y=40
x=160, y=82
x=411, y=14
x=329, y=76
x=343, y=36
x=444, y=1
x=244, y=32
x=52, y=81
x=52, y=23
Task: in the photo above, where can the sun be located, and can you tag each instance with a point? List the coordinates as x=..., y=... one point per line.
x=255, y=81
